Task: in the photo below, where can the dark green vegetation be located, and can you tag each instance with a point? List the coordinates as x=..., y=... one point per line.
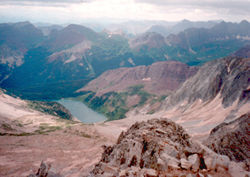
x=112, y=104
x=115, y=105
x=51, y=108
x=55, y=66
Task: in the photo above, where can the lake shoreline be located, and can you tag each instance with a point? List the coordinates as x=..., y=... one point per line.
x=82, y=112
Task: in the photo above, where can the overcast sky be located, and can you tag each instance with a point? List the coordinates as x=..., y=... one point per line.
x=76, y=11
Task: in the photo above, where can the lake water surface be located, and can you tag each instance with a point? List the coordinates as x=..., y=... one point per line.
x=81, y=111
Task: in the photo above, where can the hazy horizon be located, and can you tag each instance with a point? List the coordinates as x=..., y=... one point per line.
x=114, y=11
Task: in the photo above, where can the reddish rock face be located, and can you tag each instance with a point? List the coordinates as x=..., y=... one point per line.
x=158, y=78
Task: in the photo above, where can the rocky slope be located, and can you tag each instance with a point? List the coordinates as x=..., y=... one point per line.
x=71, y=151
x=243, y=52
x=20, y=117
x=227, y=78
x=232, y=139
x=217, y=93
x=28, y=136
x=160, y=147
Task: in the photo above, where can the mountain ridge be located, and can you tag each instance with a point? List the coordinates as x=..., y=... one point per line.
x=156, y=78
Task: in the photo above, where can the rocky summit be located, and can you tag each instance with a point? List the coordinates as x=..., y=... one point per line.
x=160, y=147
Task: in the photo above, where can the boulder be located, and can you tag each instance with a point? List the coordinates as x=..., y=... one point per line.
x=210, y=162
x=123, y=173
x=108, y=168
x=45, y=171
x=194, y=160
x=149, y=173
x=171, y=162
x=222, y=161
x=185, y=164
x=200, y=175
x=190, y=175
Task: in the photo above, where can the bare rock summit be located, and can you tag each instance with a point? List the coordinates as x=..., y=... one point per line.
x=159, y=147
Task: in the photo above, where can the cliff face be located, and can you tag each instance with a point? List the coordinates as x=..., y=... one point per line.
x=232, y=139
x=160, y=147
x=228, y=78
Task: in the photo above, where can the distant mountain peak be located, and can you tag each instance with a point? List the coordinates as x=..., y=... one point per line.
x=149, y=39
x=244, y=22
x=185, y=21
x=21, y=24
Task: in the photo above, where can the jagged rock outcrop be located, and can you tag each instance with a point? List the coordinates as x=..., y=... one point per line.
x=232, y=139
x=159, y=147
x=45, y=171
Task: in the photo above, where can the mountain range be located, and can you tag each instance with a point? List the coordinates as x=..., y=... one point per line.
x=166, y=30
x=72, y=56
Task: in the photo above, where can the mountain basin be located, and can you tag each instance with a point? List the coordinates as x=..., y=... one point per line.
x=81, y=111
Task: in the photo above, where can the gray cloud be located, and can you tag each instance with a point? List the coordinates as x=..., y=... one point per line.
x=242, y=6
x=169, y=10
x=45, y=1
x=42, y=2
